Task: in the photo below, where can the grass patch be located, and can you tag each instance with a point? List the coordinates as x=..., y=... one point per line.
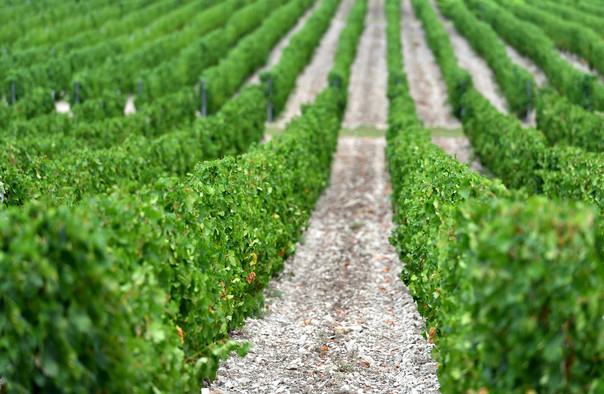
x=273, y=130
x=372, y=132
x=444, y=132
x=363, y=131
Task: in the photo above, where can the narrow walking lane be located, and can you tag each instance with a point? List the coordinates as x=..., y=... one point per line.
x=426, y=84
x=339, y=318
x=367, y=100
x=314, y=78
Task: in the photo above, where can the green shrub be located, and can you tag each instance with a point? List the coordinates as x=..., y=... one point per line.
x=564, y=123
x=526, y=306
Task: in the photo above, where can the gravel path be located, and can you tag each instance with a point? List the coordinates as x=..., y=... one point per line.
x=527, y=64
x=482, y=75
x=340, y=320
x=367, y=100
x=428, y=88
x=535, y=70
x=579, y=64
x=426, y=84
x=276, y=52
x=314, y=77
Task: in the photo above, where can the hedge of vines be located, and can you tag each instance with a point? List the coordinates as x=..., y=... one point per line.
x=510, y=284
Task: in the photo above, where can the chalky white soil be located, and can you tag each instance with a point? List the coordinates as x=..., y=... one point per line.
x=538, y=74
x=426, y=83
x=579, y=64
x=277, y=50
x=367, y=100
x=340, y=320
x=527, y=64
x=314, y=77
x=428, y=88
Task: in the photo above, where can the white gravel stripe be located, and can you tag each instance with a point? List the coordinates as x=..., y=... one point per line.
x=579, y=64
x=367, y=99
x=340, y=320
x=277, y=50
x=314, y=77
x=426, y=84
x=534, y=69
x=527, y=64
x=428, y=89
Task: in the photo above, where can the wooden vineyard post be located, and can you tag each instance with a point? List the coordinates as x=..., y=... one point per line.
x=204, y=99
x=462, y=110
x=269, y=107
x=77, y=92
x=528, y=103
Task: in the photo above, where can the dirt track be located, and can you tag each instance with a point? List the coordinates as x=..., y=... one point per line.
x=527, y=64
x=579, y=64
x=426, y=83
x=340, y=320
x=276, y=52
x=367, y=100
x=314, y=77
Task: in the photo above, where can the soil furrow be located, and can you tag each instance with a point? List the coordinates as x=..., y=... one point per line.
x=367, y=100
x=314, y=77
x=527, y=64
x=428, y=89
x=426, y=83
x=579, y=64
x=340, y=319
x=276, y=52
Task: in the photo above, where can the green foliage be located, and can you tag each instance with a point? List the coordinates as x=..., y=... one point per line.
x=152, y=283
x=580, y=88
x=489, y=131
x=525, y=308
x=573, y=174
x=56, y=72
x=511, y=286
x=586, y=6
x=117, y=73
x=176, y=265
x=30, y=19
x=39, y=102
x=574, y=13
x=564, y=123
x=54, y=135
x=137, y=160
x=251, y=52
x=65, y=317
x=572, y=36
x=521, y=158
x=183, y=70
